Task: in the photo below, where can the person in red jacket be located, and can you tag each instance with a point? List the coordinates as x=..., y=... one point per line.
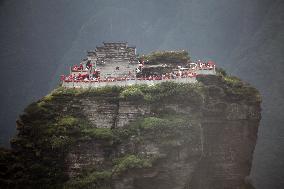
x=81, y=66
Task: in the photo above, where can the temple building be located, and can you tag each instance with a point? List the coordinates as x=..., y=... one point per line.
x=114, y=59
x=117, y=61
x=116, y=64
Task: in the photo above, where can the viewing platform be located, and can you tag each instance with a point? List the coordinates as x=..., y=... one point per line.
x=116, y=64
x=123, y=83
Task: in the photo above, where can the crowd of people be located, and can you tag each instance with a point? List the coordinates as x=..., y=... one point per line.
x=84, y=73
x=77, y=67
x=203, y=65
x=81, y=67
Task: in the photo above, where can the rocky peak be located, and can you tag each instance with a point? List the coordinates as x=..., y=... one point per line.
x=166, y=136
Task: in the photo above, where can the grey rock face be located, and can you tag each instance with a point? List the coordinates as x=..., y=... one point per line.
x=222, y=134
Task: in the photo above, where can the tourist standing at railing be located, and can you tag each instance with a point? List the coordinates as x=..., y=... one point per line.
x=81, y=66
x=62, y=77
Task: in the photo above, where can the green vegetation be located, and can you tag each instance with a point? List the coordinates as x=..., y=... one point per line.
x=68, y=121
x=98, y=133
x=243, y=90
x=138, y=130
x=48, y=98
x=60, y=142
x=162, y=129
x=152, y=122
x=132, y=93
x=121, y=135
x=92, y=180
x=163, y=122
x=167, y=57
x=221, y=72
x=131, y=162
x=237, y=88
x=35, y=109
x=233, y=81
x=165, y=92
x=52, y=126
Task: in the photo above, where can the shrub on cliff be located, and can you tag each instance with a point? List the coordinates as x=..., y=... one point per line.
x=36, y=110
x=165, y=92
x=152, y=122
x=60, y=142
x=98, y=133
x=68, y=121
x=167, y=57
x=130, y=162
x=239, y=88
x=234, y=87
x=132, y=93
x=221, y=72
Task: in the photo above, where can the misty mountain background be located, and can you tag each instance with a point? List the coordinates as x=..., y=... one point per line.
x=40, y=39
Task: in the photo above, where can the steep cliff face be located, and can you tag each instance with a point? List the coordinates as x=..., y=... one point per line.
x=170, y=136
x=230, y=132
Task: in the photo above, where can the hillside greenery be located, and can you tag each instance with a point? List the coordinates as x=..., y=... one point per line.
x=52, y=133
x=239, y=88
x=47, y=131
x=167, y=57
x=166, y=91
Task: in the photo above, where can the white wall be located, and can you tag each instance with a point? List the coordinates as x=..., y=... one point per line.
x=91, y=84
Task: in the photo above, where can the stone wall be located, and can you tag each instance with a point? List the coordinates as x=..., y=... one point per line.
x=108, y=113
x=205, y=72
x=92, y=84
x=112, y=55
x=109, y=69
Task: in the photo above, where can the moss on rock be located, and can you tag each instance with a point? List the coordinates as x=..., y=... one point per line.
x=131, y=162
x=52, y=126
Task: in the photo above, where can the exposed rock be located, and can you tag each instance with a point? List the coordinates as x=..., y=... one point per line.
x=174, y=136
